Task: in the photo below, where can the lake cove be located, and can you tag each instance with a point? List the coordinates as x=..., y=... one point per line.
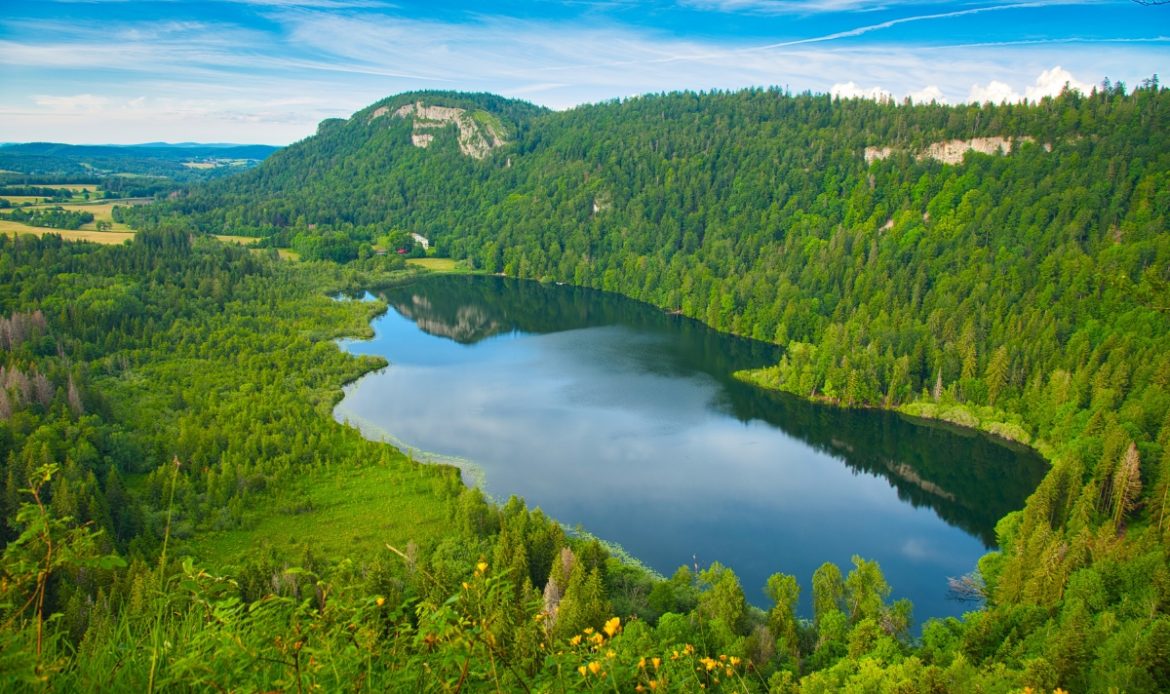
x=609, y=414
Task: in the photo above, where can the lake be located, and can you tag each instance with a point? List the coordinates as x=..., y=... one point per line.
x=609, y=414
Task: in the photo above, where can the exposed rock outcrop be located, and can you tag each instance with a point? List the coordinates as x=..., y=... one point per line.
x=953, y=151
x=478, y=136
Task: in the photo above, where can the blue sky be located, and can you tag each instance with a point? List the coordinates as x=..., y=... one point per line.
x=123, y=71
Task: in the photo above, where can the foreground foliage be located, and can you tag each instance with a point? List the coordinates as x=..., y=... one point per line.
x=150, y=416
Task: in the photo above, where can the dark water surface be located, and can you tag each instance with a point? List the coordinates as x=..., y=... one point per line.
x=608, y=413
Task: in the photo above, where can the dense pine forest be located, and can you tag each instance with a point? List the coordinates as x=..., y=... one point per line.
x=156, y=393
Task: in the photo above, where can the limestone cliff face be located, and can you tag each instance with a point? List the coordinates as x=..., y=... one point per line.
x=477, y=136
x=952, y=151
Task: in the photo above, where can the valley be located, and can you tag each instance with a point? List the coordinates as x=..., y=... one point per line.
x=809, y=270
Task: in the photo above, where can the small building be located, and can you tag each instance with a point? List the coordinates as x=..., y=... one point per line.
x=421, y=240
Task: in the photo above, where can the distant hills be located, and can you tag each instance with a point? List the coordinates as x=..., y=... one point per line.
x=182, y=162
x=182, y=151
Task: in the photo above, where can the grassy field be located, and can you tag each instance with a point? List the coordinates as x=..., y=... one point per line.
x=337, y=512
x=20, y=199
x=239, y=240
x=433, y=264
x=13, y=228
x=101, y=211
x=284, y=253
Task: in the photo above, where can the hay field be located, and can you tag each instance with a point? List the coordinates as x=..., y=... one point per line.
x=108, y=237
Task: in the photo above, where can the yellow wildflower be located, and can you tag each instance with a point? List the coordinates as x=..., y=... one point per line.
x=735, y=661
x=723, y=658
x=481, y=567
x=653, y=684
x=642, y=663
x=597, y=639
x=380, y=601
x=656, y=662
x=708, y=663
x=581, y=669
x=576, y=640
x=611, y=654
x=613, y=626
x=729, y=672
x=595, y=667
x=689, y=649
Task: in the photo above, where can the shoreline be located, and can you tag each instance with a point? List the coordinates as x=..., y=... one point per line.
x=962, y=417
x=471, y=473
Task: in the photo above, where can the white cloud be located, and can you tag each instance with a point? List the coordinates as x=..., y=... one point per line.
x=994, y=91
x=1049, y=83
x=850, y=90
x=927, y=95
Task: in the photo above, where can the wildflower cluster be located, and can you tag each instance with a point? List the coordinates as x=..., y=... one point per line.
x=593, y=642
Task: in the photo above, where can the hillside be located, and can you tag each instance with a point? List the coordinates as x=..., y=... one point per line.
x=1020, y=287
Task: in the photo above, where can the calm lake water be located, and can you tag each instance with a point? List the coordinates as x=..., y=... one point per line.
x=608, y=413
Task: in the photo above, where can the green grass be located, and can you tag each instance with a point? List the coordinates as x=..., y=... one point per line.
x=489, y=120
x=434, y=264
x=337, y=512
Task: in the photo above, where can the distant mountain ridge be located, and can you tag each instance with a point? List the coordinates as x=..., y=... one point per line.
x=160, y=150
x=178, y=162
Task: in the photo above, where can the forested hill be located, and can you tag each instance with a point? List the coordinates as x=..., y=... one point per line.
x=1025, y=279
x=1006, y=267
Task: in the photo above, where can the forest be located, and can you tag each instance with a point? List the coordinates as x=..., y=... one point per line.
x=42, y=161
x=156, y=392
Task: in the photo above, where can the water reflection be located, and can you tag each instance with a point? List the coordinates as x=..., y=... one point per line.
x=612, y=414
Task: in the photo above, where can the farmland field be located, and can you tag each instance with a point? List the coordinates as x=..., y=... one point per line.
x=20, y=199
x=101, y=211
x=240, y=240
x=109, y=237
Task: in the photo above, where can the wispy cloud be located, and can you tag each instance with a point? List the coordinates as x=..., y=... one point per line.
x=706, y=53
x=859, y=31
x=1064, y=40
x=77, y=103
x=796, y=7
x=276, y=67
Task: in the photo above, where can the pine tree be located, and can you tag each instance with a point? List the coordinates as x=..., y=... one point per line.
x=996, y=374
